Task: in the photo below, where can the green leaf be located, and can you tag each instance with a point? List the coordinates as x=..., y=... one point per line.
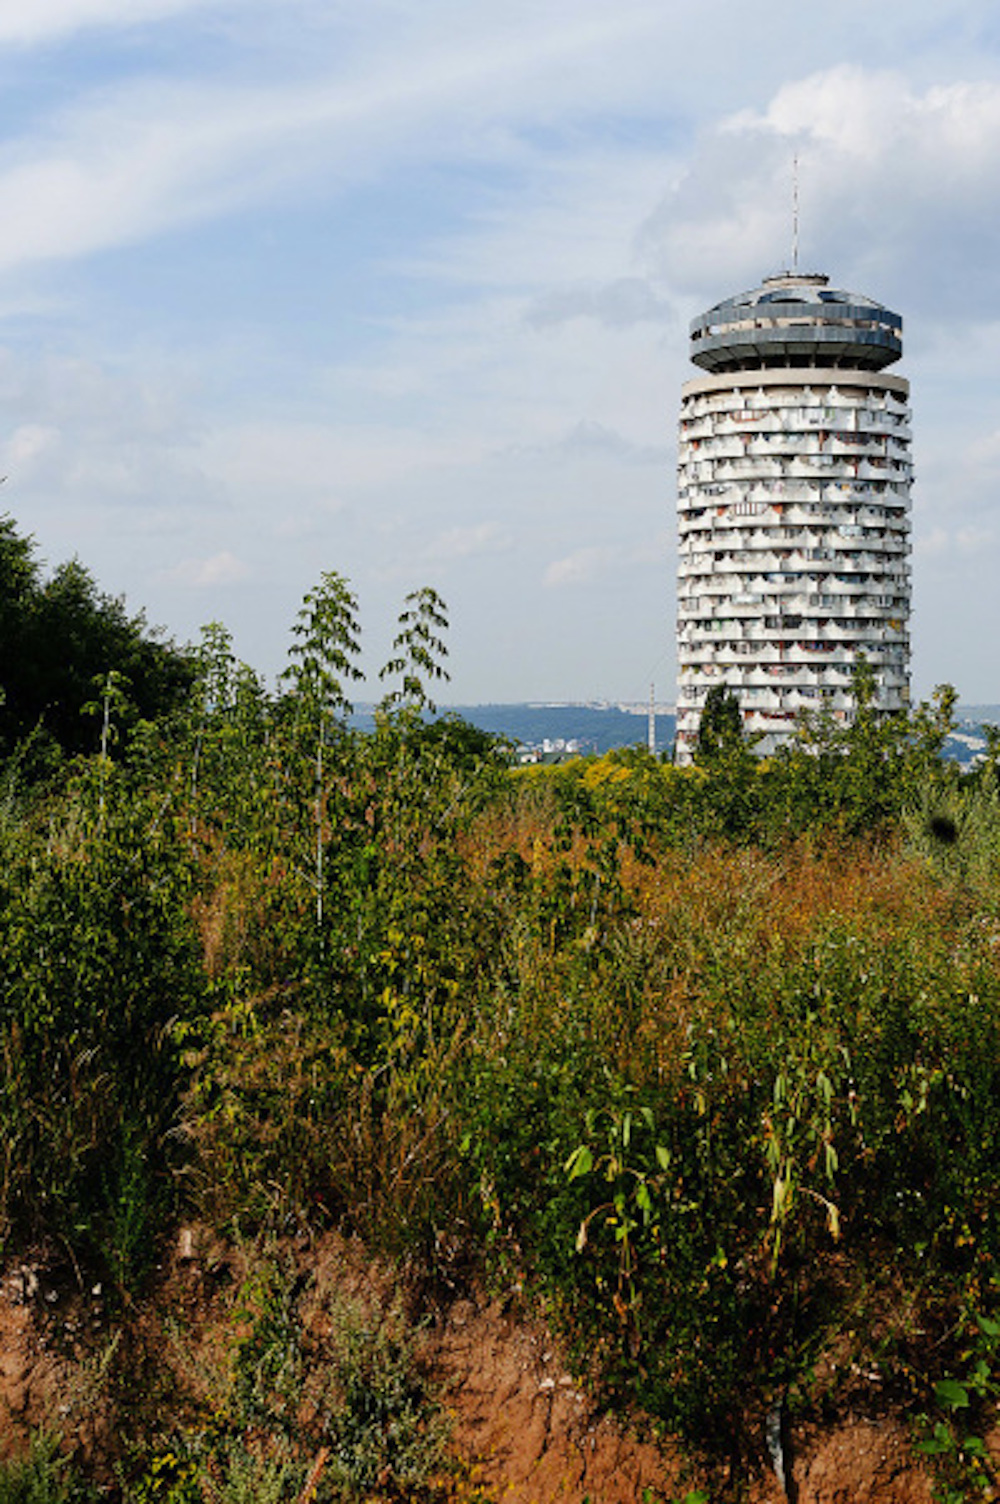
x=580, y=1162
x=931, y=1446
x=937, y=1444
x=951, y=1394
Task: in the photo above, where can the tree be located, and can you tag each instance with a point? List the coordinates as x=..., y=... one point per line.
x=327, y=643
x=112, y=690
x=930, y=726
x=723, y=751
x=57, y=635
x=227, y=729
x=18, y=575
x=420, y=651
x=720, y=729
x=324, y=653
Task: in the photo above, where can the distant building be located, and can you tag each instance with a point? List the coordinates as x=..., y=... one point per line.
x=793, y=507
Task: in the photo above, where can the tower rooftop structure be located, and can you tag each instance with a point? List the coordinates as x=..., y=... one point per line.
x=793, y=507
x=796, y=319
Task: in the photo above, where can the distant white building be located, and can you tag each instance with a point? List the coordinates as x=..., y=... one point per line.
x=793, y=507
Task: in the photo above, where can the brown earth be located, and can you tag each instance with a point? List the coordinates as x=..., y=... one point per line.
x=539, y=1440
x=528, y=1433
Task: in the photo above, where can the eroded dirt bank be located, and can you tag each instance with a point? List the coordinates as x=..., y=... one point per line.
x=526, y=1432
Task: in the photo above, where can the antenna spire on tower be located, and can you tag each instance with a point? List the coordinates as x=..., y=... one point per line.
x=795, y=212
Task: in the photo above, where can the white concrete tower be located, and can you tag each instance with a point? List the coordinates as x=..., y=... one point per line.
x=793, y=507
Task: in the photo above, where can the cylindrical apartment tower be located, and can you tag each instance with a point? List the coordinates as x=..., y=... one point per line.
x=793, y=508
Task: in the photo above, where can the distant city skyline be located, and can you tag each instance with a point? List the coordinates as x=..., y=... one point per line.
x=402, y=290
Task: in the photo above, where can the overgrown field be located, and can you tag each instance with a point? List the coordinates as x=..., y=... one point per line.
x=704, y=1064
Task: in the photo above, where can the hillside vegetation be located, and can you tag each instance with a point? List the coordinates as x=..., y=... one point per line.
x=703, y=1064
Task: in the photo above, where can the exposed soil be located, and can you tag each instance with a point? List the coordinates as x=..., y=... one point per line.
x=534, y=1434
x=539, y=1439
x=526, y=1429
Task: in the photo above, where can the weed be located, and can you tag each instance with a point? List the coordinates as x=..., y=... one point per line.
x=343, y=1413
x=42, y=1477
x=244, y=1476
x=384, y=1427
x=954, y=1439
x=169, y=1477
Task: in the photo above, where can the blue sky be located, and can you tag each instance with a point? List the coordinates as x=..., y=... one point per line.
x=401, y=288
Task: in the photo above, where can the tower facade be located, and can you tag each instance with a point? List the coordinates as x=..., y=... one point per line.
x=794, y=478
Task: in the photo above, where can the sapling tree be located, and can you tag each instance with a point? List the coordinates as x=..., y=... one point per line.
x=427, y=775
x=419, y=652
x=988, y=774
x=248, y=729
x=869, y=774
x=324, y=653
x=229, y=720
x=324, y=661
x=215, y=666
x=112, y=699
x=930, y=726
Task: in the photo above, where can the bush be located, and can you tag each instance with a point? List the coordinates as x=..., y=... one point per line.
x=42, y=1477
x=97, y=958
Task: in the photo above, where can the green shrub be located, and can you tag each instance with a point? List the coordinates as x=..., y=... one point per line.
x=42, y=1477
x=97, y=957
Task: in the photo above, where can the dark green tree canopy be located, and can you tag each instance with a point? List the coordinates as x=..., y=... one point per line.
x=57, y=635
x=720, y=729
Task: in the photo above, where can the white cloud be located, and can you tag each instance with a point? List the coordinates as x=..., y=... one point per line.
x=984, y=452
x=974, y=540
x=109, y=404
x=467, y=543
x=391, y=84
x=272, y=461
x=43, y=20
x=582, y=567
x=617, y=305
x=130, y=161
x=587, y=566
x=221, y=569
x=868, y=114
x=589, y=437
x=30, y=445
x=933, y=544
x=590, y=441
x=900, y=191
